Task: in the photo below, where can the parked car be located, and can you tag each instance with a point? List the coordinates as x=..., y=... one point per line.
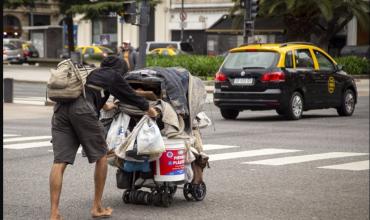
x=181, y=46
x=290, y=78
x=94, y=52
x=12, y=53
x=360, y=51
x=166, y=51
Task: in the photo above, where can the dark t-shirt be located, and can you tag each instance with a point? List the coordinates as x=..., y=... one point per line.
x=112, y=83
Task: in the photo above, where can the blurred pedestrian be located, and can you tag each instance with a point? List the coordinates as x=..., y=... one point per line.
x=128, y=54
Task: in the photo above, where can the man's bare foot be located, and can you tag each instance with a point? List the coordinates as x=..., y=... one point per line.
x=101, y=212
x=56, y=217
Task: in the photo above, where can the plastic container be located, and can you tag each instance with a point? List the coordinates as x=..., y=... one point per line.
x=170, y=167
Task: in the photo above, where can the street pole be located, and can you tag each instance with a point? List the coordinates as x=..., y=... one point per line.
x=182, y=22
x=143, y=26
x=247, y=18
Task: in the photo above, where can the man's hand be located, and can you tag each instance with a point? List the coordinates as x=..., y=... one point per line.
x=152, y=112
x=109, y=106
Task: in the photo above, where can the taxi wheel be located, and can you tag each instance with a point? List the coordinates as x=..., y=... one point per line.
x=294, y=109
x=347, y=106
x=229, y=113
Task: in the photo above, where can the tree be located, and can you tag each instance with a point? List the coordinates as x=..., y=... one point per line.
x=324, y=18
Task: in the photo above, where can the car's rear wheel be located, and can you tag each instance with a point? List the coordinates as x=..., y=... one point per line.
x=294, y=108
x=229, y=113
x=347, y=106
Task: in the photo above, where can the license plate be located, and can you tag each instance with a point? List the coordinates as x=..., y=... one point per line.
x=244, y=81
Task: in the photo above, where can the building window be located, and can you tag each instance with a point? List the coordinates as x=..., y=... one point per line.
x=104, y=32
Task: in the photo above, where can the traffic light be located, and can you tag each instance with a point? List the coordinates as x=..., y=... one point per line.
x=254, y=7
x=248, y=29
x=129, y=12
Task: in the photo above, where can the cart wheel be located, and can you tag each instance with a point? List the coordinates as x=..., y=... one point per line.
x=125, y=196
x=199, y=191
x=166, y=198
x=187, y=191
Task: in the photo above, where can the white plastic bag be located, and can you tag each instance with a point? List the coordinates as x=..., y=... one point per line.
x=149, y=139
x=117, y=131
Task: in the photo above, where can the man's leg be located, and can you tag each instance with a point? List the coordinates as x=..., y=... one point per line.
x=56, y=180
x=100, y=176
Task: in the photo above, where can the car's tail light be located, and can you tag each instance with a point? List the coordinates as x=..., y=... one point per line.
x=273, y=77
x=220, y=77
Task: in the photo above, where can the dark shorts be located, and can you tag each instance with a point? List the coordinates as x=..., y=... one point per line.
x=75, y=124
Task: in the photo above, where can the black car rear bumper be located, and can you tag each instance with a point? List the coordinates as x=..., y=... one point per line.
x=269, y=99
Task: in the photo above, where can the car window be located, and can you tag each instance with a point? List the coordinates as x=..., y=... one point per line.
x=324, y=62
x=258, y=59
x=303, y=59
x=105, y=50
x=289, y=59
x=9, y=47
x=89, y=50
x=165, y=52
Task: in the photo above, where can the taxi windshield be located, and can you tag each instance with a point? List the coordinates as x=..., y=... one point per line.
x=251, y=59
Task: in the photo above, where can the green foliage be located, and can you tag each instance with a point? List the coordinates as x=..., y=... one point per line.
x=354, y=65
x=202, y=66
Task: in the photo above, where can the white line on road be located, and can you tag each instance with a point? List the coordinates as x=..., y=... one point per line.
x=22, y=101
x=249, y=153
x=304, y=158
x=207, y=147
x=10, y=135
x=355, y=166
x=26, y=138
x=27, y=145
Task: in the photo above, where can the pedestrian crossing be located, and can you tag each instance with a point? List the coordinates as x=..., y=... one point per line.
x=217, y=152
x=30, y=100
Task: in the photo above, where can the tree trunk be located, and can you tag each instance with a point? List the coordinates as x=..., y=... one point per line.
x=71, y=44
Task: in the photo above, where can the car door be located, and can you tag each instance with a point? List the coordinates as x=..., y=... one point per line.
x=306, y=72
x=333, y=82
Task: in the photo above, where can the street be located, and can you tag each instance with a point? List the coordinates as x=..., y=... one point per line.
x=262, y=167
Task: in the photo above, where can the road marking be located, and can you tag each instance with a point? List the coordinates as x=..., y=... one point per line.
x=304, y=158
x=355, y=166
x=27, y=145
x=249, y=153
x=26, y=138
x=78, y=151
x=10, y=135
x=207, y=147
x=29, y=101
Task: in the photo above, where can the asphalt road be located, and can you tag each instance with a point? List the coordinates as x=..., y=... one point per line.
x=242, y=183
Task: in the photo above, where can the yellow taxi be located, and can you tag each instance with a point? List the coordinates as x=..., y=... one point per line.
x=94, y=51
x=165, y=51
x=290, y=78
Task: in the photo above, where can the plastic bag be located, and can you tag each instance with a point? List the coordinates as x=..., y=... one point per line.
x=117, y=131
x=149, y=139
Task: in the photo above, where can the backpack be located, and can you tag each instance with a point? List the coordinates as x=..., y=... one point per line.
x=67, y=81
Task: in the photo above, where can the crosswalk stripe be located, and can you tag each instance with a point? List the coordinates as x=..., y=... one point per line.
x=27, y=102
x=249, y=153
x=304, y=158
x=207, y=147
x=355, y=166
x=10, y=135
x=27, y=145
x=26, y=138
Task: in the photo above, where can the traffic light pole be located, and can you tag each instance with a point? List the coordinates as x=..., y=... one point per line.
x=247, y=18
x=143, y=26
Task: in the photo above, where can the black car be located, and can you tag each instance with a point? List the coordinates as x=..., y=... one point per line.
x=290, y=78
